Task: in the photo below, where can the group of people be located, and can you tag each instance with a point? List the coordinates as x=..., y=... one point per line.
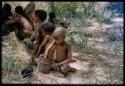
x=47, y=39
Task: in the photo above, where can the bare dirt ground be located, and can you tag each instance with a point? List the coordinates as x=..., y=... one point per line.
x=97, y=64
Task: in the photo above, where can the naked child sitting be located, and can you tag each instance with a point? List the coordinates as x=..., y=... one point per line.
x=62, y=55
x=47, y=30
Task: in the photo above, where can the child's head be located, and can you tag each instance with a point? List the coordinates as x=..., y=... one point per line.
x=40, y=15
x=48, y=28
x=59, y=35
x=52, y=15
x=7, y=7
x=7, y=10
x=19, y=10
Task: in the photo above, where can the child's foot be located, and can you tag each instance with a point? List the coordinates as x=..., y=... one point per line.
x=72, y=69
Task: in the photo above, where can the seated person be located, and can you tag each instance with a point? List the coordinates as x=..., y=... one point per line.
x=58, y=55
x=57, y=22
x=6, y=15
x=52, y=18
x=18, y=16
x=40, y=16
x=48, y=29
x=7, y=8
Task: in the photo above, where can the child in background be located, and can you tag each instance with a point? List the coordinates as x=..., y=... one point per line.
x=40, y=16
x=48, y=29
x=18, y=16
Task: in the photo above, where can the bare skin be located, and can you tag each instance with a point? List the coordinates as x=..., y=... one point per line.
x=47, y=40
x=62, y=55
x=27, y=28
x=29, y=11
x=43, y=45
x=38, y=39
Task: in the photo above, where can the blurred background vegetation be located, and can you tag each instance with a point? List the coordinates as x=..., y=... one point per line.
x=79, y=11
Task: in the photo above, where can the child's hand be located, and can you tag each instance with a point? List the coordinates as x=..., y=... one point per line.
x=55, y=66
x=41, y=55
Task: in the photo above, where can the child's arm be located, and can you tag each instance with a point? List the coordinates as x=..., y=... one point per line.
x=42, y=44
x=37, y=40
x=49, y=47
x=12, y=21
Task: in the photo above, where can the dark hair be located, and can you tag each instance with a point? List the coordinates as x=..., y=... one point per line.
x=19, y=9
x=52, y=15
x=48, y=27
x=41, y=14
x=7, y=8
x=4, y=16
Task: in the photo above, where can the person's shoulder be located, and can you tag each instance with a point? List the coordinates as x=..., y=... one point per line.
x=67, y=45
x=21, y=17
x=47, y=37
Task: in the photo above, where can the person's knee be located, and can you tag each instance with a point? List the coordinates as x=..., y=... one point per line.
x=32, y=37
x=44, y=68
x=65, y=68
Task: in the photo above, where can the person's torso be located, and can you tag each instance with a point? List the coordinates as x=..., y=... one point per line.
x=25, y=23
x=61, y=52
x=49, y=58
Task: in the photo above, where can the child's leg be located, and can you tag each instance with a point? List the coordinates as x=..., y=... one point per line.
x=27, y=33
x=65, y=69
x=44, y=68
x=35, y=59
x=44, y=64
x=32, y=38
x=30, y=42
